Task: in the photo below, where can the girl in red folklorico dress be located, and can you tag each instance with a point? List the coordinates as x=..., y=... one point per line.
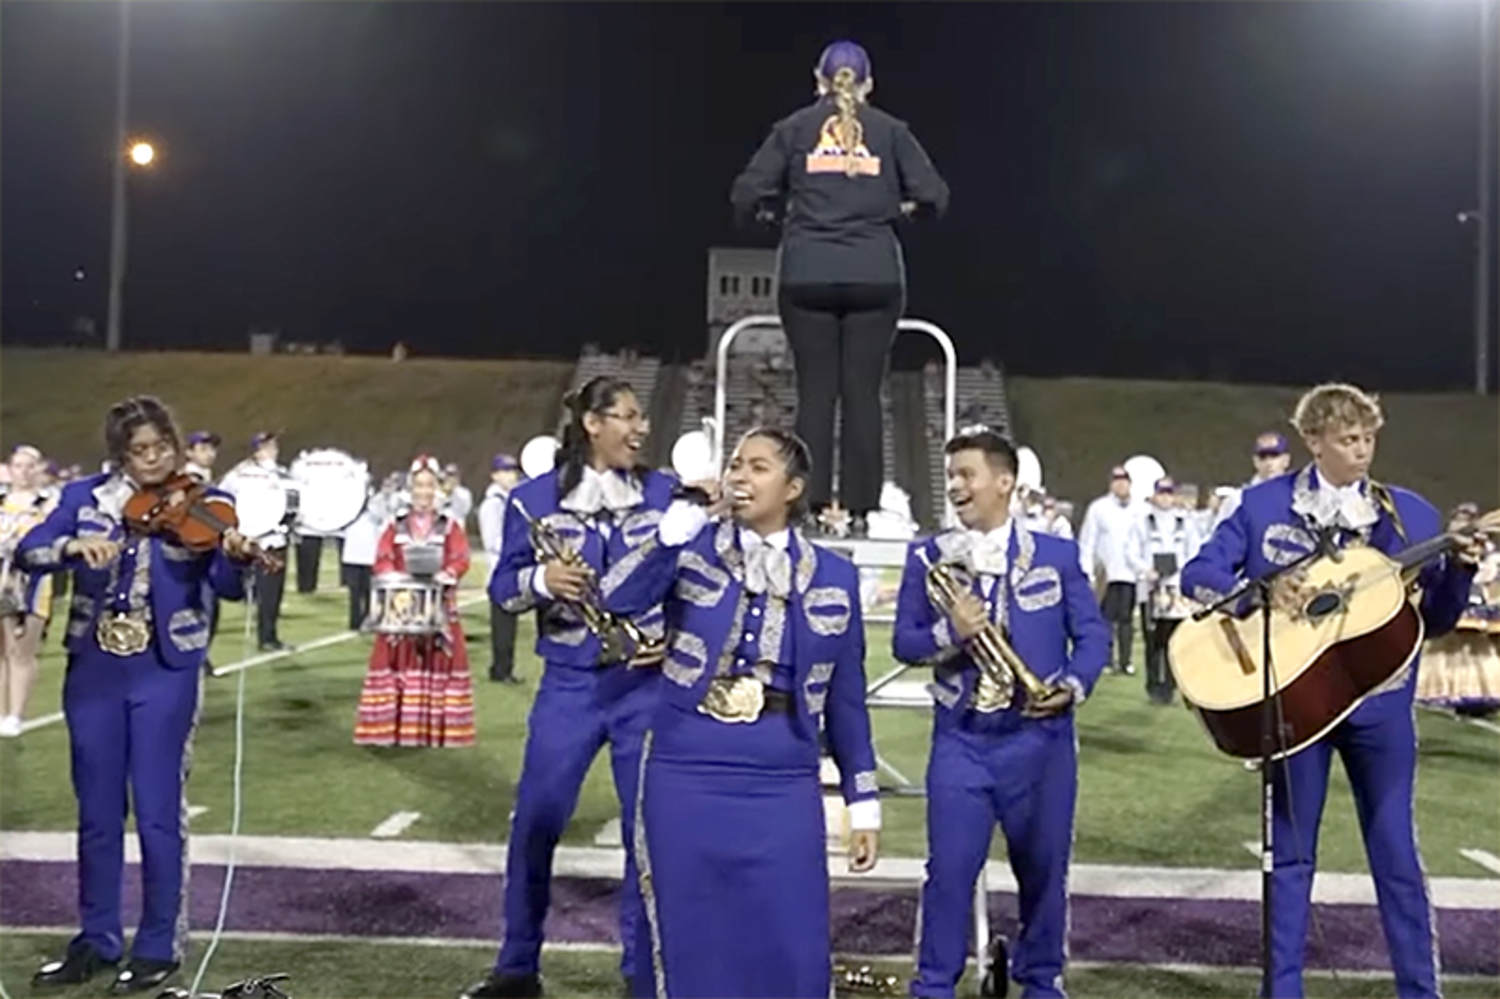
x=418, y=691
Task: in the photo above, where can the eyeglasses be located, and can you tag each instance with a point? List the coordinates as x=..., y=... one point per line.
x=628, y=417
x=151, y=449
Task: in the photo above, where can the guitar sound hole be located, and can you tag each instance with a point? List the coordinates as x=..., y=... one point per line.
x=1322, y=605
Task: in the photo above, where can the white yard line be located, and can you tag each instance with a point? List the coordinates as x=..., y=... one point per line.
x=42, y=722
x=196, y=810
x=1106, y=880
x=1253, y=847
x=260, y=660
x=1464, y=719
x=395, y=824
x=1483, y=858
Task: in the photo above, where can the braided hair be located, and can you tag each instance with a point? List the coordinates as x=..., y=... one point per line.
x=843, y=71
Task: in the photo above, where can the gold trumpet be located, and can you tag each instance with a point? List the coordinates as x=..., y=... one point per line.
x=620, y=639
x=1000, y=665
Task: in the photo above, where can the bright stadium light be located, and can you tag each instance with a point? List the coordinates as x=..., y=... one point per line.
x=142, y=153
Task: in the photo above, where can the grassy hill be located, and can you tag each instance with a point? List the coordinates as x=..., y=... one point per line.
x=377, y=409
x=1445, y=445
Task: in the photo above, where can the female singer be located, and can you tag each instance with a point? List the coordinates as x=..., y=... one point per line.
x=729, y=837
x=26, y=597
x=845, y=172
x=137, y=634
x=417, y=690
x=599, y=504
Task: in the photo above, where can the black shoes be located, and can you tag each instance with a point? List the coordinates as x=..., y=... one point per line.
x=498, y=986
x=79, y=965
x=274, y=645
x=508, y=678
x=141, y=974
x=997, y=979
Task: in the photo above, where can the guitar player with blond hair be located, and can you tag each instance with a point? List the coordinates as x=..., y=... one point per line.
x=1334, y=503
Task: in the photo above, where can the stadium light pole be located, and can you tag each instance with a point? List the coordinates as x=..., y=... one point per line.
x=125, y=155
x=1485, y=216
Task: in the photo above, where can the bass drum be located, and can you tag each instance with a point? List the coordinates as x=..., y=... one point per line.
x=331, y=487
x=262, y=504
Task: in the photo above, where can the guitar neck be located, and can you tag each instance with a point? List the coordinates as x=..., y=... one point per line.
x=1423, y=552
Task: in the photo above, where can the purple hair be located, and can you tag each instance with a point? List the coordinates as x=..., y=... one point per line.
x=844, y=54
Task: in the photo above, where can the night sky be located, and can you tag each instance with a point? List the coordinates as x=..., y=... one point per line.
x=1212, y=190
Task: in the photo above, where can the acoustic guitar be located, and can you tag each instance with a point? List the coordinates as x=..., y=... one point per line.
x=1352, y=632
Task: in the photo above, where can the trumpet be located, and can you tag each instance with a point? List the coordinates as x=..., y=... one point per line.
x=620, y=639
x=1000, y=665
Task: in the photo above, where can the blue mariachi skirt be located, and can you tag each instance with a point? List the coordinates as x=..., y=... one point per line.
x=731, y=848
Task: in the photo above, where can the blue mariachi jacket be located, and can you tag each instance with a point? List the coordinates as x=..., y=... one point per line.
x=153, y=575
x=562, y=636
x=1048, y=605
x=702, y=583
x=1272, y=527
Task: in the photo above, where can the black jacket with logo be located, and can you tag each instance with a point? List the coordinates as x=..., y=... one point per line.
x=839, y=229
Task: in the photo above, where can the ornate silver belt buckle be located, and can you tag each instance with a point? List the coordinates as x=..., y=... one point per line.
x=123, y=634
x=734, y=699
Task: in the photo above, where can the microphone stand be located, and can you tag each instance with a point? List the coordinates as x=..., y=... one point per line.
x=1259, y=592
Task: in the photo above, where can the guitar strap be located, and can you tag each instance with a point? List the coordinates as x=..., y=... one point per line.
x=1388, y=504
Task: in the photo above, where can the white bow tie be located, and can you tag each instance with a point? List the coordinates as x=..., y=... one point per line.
x=602, y=491
x=987, y=555
x=768, y=569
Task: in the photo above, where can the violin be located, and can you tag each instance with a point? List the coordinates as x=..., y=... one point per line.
x=182, y=508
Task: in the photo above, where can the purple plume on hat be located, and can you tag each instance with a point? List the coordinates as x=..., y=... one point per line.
x=844, y=53
x=503, y=463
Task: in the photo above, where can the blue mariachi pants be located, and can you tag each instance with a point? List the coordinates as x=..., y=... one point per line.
x=733, y=856
x=577, y=711
x=130, y=720
x=1027, y=780
x=1378, y=744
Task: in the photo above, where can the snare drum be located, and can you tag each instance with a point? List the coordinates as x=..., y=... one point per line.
x=403, y=605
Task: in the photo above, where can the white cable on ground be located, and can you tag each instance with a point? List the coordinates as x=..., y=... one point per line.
x=237, y=802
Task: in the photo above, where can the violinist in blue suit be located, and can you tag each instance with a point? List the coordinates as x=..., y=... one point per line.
x=993, y=762
x=138, y=629
x=766, y=647
x=599, y=505
x=1334, y=501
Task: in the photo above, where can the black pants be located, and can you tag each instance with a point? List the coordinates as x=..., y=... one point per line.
x=268, y=587
x=1160, y=684
x=840, y=335
x=502, y=642
x=309, y=551
x=357, y=579
x=1118, y=607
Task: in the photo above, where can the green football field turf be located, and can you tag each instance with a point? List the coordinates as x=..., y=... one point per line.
x=1152, y=789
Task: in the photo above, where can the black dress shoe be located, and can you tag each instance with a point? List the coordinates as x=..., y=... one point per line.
x=275, y=645
x=142, y=973
x=509, y=678
x=498, y=986
x=79, y=965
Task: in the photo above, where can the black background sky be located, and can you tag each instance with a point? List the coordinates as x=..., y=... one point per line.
x=1245, y=191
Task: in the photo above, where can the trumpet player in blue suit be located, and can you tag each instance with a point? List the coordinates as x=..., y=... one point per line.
x=597, y=505
x=766, y=645
x=1000, y=753
x=1334, y=501
x=138, y=630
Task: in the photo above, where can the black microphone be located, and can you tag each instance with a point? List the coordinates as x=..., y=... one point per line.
x=692, y=494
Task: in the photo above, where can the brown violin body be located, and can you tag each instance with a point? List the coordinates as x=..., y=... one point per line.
x=182, y=508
